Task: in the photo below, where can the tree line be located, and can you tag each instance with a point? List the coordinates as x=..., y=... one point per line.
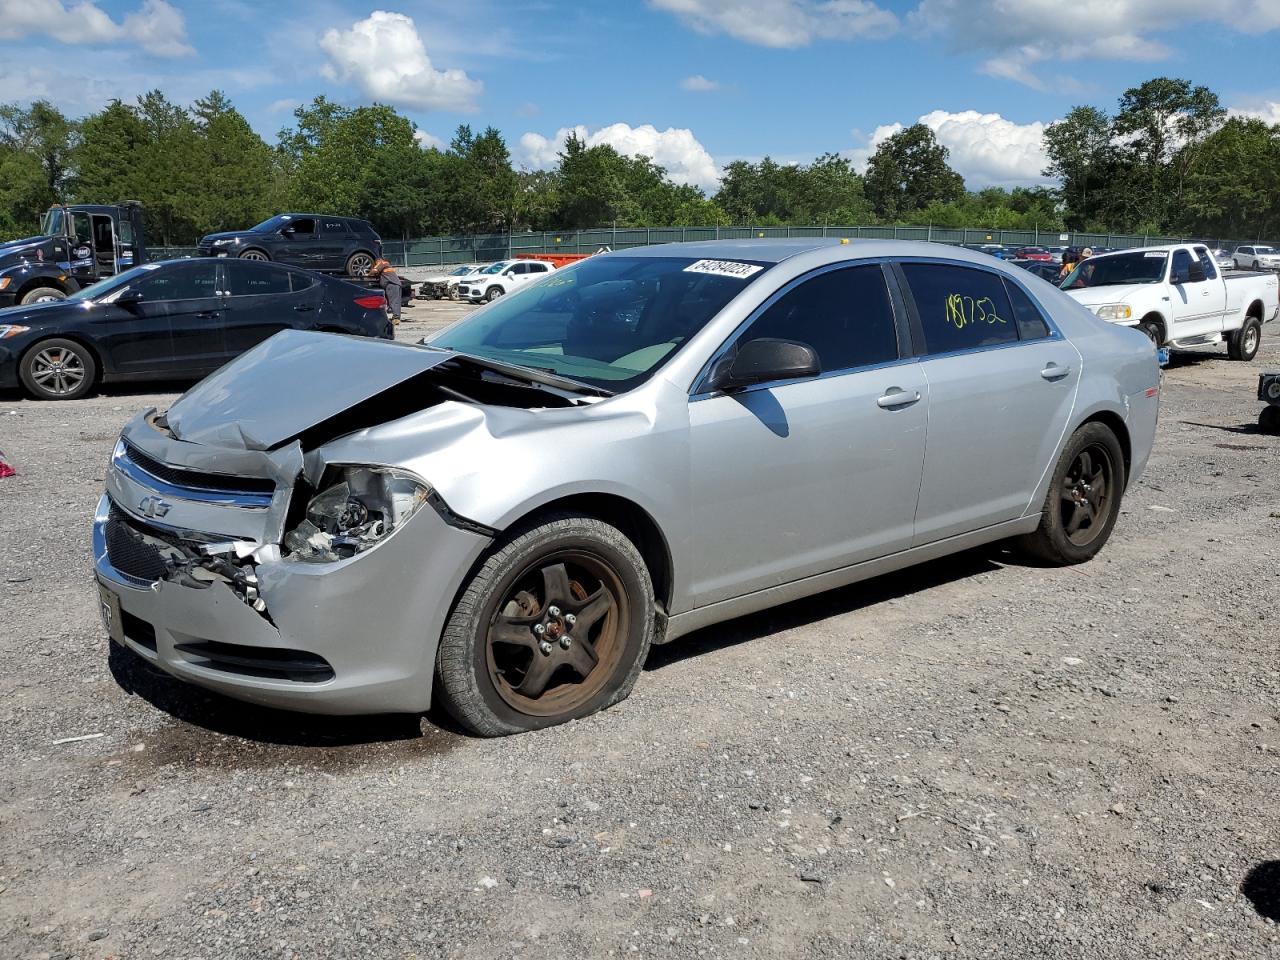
x=1168, y=161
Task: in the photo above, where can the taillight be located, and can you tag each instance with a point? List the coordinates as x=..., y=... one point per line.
x=373, y=301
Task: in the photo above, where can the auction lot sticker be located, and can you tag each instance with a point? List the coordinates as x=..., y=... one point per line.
x=725, y=268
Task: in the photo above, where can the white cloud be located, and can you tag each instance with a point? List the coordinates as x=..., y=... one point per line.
x=1023, y=33
x=155, y=26
x=428, y=140
x=386, y=58
x=986, y=149
x=675, y=149
x=283, y=104
x=699, y=84
x=1267, y=111
x=784, y=23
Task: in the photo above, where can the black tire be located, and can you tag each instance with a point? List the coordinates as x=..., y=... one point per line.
x=259, y=255
x=58, y=370
x=1154, y=331
x=1069, y=494
x=1269, y=420
x=477, y=688
x=1243, y=344
x=358, y=263
x=42, y=295
x=493, y=293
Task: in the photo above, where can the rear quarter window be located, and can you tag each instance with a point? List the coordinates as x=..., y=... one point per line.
x=1031, y=322
x=960, y=308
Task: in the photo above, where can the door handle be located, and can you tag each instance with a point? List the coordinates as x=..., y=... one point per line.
x=1054, y=372
x=207, y=314
x=303, y=308
x=897, y=397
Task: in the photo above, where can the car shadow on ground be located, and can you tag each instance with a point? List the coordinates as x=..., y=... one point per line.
x=1261, y=888
x=810, y=610
x=267, y=727
x=1246, y=428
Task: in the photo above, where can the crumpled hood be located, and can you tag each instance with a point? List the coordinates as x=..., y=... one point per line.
x=1096, y=296
x=290, y=383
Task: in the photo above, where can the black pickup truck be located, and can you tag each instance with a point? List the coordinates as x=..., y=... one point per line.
x=78, y=244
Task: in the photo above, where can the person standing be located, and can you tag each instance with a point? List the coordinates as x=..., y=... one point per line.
x=389, y=281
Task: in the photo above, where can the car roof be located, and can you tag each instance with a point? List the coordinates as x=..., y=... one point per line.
x=762, y=250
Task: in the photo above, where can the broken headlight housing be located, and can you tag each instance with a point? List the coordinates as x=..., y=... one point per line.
x=356, y=509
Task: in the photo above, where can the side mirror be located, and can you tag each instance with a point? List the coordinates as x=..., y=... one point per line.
x=287, y=231
x=130, y=298
x=1196, y=273
x=764, y=360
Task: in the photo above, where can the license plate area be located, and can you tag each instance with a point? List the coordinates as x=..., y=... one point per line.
x=109, y=608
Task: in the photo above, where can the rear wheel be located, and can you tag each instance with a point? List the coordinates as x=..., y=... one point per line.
x=258, y=255
x=42, y=295
x=58, y=370
x=1083, y=500
x=1269, y=420
x=358, y=263
x=554, y=626
x=1243, y=344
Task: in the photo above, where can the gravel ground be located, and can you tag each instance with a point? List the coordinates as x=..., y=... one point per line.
x=974, y=758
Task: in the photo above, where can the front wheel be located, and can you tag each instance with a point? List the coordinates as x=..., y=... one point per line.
x=1243, y=344
x=554, y=626
x=42, y=295
x=1083, y=501
x=257, y=255
x=493, y=293
x=1269, y=420
x=58, y=370
x=1153, y=332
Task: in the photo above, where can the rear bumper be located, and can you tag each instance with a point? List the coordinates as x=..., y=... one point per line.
x=352, y=637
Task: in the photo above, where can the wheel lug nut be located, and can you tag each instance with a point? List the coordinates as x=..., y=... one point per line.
x=570, y=619
x=545, y=648
x=565, y=642
x=539, y=629
x=553, y=611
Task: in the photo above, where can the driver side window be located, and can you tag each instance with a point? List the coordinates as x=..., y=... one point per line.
x=193, y=281
x=1180, y=272
x=303, y=226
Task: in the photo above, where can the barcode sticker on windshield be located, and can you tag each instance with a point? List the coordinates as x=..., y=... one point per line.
x=1157, y=255
x=725, y=268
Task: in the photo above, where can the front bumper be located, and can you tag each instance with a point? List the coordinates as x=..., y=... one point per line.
x=352, y=637
x=8, y=368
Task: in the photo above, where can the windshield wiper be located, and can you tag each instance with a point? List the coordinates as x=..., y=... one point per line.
x=538, y=376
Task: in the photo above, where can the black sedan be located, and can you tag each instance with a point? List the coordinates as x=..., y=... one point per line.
x=177, y=320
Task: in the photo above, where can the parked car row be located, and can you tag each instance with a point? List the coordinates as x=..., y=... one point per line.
x=173, y=320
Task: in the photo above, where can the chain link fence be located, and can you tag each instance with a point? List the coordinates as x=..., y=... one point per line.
x=485, y=248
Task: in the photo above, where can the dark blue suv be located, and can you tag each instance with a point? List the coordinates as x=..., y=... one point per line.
x=312, y=240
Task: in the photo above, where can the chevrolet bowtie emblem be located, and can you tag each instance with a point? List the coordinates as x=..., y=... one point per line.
x=153, y=507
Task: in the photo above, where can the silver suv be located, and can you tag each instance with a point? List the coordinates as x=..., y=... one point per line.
x=508, y=515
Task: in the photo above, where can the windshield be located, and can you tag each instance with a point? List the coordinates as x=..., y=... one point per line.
x=496, y=267
x=270, y=226
x=113, y=285
x=1143, y=266
x=607, y=321
x=461, y=271
x=52, y=226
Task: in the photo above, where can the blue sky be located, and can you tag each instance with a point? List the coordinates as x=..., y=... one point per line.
x=693, y=83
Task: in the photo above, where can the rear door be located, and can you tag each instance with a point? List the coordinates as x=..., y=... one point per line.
x=332, y=242
x=263, y=299
x=1002, y=384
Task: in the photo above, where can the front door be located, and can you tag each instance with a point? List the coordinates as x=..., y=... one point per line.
x=797, y=478
x=1002, y=386
x=1197, y=304
x=298, y=244
x=185, y=295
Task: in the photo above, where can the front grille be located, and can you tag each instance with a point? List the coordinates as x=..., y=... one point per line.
x=269, y=663
x=197, y=479
x=130, y=553
x=204, y=249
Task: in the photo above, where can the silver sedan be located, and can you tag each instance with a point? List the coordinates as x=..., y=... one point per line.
x=507, y=516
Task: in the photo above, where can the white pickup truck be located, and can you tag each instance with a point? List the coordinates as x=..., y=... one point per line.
x=1178, y=296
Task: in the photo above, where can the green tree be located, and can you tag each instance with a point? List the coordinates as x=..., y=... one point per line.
x=106, y=159
x=908, y=172
x=1083, y=159
x=238, y=184
x=1234, y=188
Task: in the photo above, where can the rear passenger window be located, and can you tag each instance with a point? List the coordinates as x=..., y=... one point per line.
x=333, y=226
x=960, y=308
x=845, y=315
x=301, y=281
x=249, y=281
x=1031, y=324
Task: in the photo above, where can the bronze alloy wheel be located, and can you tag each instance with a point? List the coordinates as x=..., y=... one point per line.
x=1086, y=494
x=556, y=637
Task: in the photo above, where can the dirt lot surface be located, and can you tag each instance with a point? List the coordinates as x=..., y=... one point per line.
x=975, y=758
